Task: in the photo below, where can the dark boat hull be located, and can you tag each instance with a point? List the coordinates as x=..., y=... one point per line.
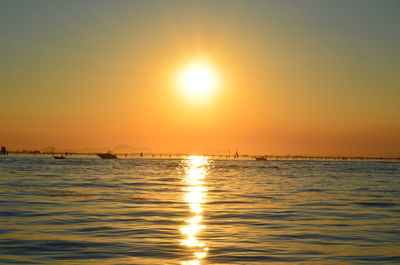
x=107, y=156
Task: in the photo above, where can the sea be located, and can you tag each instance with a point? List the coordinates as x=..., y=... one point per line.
x=196, y=210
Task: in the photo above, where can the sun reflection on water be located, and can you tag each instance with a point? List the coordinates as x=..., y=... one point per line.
x=196, y=168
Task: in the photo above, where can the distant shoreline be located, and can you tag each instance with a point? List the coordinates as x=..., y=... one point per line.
x=213, y=156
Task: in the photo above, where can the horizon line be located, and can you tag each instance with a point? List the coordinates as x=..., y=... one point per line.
x=227, y=156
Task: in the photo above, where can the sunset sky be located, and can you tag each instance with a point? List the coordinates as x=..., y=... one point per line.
x=287, y=77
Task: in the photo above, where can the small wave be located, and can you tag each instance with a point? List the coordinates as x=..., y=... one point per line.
x=314, y=190
x=378, y=204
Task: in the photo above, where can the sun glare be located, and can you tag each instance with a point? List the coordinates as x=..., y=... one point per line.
x=196, y=168
x=197, y=81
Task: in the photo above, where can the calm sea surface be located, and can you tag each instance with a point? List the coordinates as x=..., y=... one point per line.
x=85, y=210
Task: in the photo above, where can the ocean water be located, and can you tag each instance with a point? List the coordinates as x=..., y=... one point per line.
x=85, y=210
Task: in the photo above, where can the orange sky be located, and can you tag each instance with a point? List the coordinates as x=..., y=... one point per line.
x=294, y=79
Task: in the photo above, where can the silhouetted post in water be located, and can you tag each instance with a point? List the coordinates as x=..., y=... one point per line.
x=141, y=154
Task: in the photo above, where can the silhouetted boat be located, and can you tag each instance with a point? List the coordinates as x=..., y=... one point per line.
x=107, y=156
x=3, y=151
x=261, y=158
x=59, y=157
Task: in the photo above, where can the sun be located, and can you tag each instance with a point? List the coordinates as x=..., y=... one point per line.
x=198, y=81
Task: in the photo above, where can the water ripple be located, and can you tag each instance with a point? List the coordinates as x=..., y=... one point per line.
x=85, y=210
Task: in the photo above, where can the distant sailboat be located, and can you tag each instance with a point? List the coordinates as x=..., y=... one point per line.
x=236, y=156
x=56, y=157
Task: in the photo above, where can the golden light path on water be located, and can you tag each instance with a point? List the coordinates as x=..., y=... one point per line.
x=196, y=168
